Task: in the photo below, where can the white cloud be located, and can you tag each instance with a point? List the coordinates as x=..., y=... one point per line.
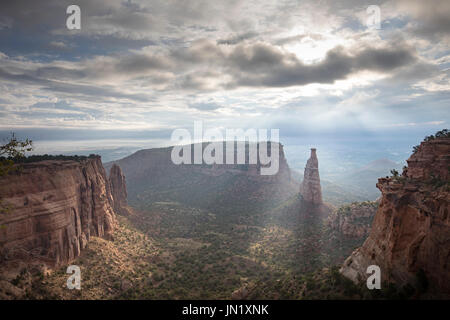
x=165, y=63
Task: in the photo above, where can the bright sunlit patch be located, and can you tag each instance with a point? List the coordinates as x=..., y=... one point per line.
x=309, y=49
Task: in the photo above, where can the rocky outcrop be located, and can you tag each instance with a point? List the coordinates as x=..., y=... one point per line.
x=119, y=191
x=310, y=188
x=410, y=235
x=353, y=220
x=56, y=207
x=431, y=160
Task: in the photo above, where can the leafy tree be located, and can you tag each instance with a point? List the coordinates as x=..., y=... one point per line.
x=394, y=173
x=10, y=152
x=444, y=133
x=43, y=157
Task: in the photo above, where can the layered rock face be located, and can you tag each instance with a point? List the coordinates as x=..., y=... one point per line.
x=354, y=220
x=56, y=206
x=310, y=188
x=119, y=190
x=432, y=159
x=411, y=229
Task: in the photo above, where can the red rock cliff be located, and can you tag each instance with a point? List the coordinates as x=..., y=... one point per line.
x=411, y=229
x=56, y=207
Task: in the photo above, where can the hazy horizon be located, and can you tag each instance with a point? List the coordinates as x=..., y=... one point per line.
x=139, y=70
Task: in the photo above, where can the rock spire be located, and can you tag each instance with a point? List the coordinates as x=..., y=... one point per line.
x=310, y=188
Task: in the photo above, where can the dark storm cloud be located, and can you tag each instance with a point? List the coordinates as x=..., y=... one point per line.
x=204, y=65
x=265, y=65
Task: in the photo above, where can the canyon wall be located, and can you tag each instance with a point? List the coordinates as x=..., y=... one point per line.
x=410, y=234
x=353, y=220
x=119, y=190
x=310, y=188
x=56, y=206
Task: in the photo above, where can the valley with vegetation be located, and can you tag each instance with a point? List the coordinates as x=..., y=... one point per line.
x=171, y=251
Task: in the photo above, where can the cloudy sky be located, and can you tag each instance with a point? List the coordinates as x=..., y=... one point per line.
x=140, y=69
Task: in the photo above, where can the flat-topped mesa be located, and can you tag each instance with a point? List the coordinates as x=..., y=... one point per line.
x=310, y=188
x=239, y=183
x=118, y=190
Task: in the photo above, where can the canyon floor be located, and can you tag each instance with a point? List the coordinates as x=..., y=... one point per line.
x=170, y=251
